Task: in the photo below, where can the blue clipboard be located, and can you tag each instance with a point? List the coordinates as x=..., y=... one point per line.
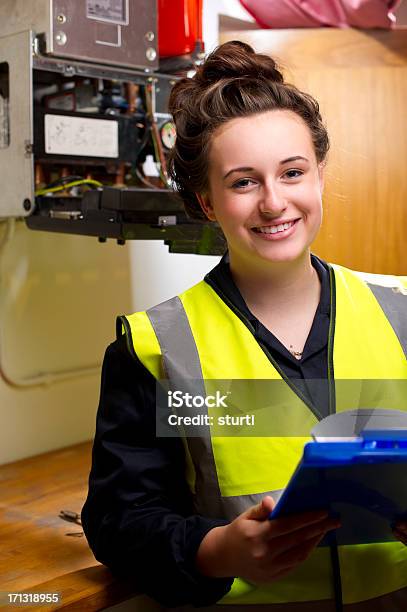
x=363, y=481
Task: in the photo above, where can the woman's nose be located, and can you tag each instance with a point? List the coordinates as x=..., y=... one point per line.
x=272, y=201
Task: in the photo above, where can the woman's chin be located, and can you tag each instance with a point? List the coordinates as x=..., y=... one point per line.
x=283, y=254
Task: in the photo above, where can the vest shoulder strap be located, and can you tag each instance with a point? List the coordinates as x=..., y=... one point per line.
x=391, y=293
x=141, y=341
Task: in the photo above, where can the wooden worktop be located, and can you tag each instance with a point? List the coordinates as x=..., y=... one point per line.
x=36, y=552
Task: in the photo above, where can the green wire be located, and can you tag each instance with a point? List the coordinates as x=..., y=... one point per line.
x=68, y=186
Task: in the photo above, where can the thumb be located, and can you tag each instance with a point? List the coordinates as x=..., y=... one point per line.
x=261, y=511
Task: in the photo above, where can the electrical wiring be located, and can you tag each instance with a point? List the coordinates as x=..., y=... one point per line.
x=146, y=138
x=145, y=181
x=68, y=186
x=159, y=153
x=65, y=179
x=144, y=142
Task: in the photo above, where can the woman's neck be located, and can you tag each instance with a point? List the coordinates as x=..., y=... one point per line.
x=282, y=286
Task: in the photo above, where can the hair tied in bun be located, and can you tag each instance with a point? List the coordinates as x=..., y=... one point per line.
x=236, y=59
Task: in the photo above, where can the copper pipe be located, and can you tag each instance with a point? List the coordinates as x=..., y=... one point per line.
x=39, y=177
x=120, y=174
x=132, y=94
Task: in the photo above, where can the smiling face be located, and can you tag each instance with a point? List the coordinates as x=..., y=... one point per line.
x=265, y=188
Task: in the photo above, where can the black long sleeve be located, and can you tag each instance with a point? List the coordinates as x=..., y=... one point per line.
x=138, y=515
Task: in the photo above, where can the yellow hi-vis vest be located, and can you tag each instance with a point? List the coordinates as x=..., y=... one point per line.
x=199, y=335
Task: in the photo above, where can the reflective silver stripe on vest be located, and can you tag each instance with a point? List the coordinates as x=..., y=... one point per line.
x=393, y=302
x=236, y=504
x=183, y=367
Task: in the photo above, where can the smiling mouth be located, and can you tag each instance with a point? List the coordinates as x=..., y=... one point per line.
x=274, y=229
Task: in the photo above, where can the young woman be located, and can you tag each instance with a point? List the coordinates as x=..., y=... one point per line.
x=189, y=522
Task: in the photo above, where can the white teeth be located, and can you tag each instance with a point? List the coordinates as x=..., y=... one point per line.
x=275, y=228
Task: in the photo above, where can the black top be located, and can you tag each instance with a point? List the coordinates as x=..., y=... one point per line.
x=309, y=373
x=138, y=516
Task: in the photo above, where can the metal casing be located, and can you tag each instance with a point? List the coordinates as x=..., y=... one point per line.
x=21, y=21
x=115, y=32
x=16, y=163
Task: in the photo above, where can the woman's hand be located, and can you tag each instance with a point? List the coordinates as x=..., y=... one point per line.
x=259, y=550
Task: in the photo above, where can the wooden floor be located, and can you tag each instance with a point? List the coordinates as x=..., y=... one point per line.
x=38, y=550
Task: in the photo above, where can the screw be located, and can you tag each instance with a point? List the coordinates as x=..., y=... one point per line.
x=69, y=70
x=27, y=204
x=102, y=239
x=61, y=38
x=121, y=241
x=36, y=46
x=150, y=36
x=151, y=54
x=61, y=18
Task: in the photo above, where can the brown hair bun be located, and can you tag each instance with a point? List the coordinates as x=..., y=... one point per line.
x=236, y=59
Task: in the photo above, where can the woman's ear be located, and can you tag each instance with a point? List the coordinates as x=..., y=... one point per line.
x=205, y=202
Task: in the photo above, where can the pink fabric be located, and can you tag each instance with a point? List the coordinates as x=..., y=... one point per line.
x=314, y=13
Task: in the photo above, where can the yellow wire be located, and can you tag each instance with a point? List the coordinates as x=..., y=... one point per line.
x=68, y=186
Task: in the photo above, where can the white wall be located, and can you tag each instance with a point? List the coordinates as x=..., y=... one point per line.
x=211, y=11
x=158, y=275
x=59, y=296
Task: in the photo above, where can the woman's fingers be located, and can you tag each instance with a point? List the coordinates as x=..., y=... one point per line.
x=302, y=536
x=297, y=554
x=286, y=562
x=262, y=510
x=289, y=524
x=256, y=548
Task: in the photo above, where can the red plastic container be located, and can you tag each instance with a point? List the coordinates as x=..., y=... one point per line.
x=179, y=26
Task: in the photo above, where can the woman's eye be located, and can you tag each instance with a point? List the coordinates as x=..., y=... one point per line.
x=293, y=173
x=241, y=183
